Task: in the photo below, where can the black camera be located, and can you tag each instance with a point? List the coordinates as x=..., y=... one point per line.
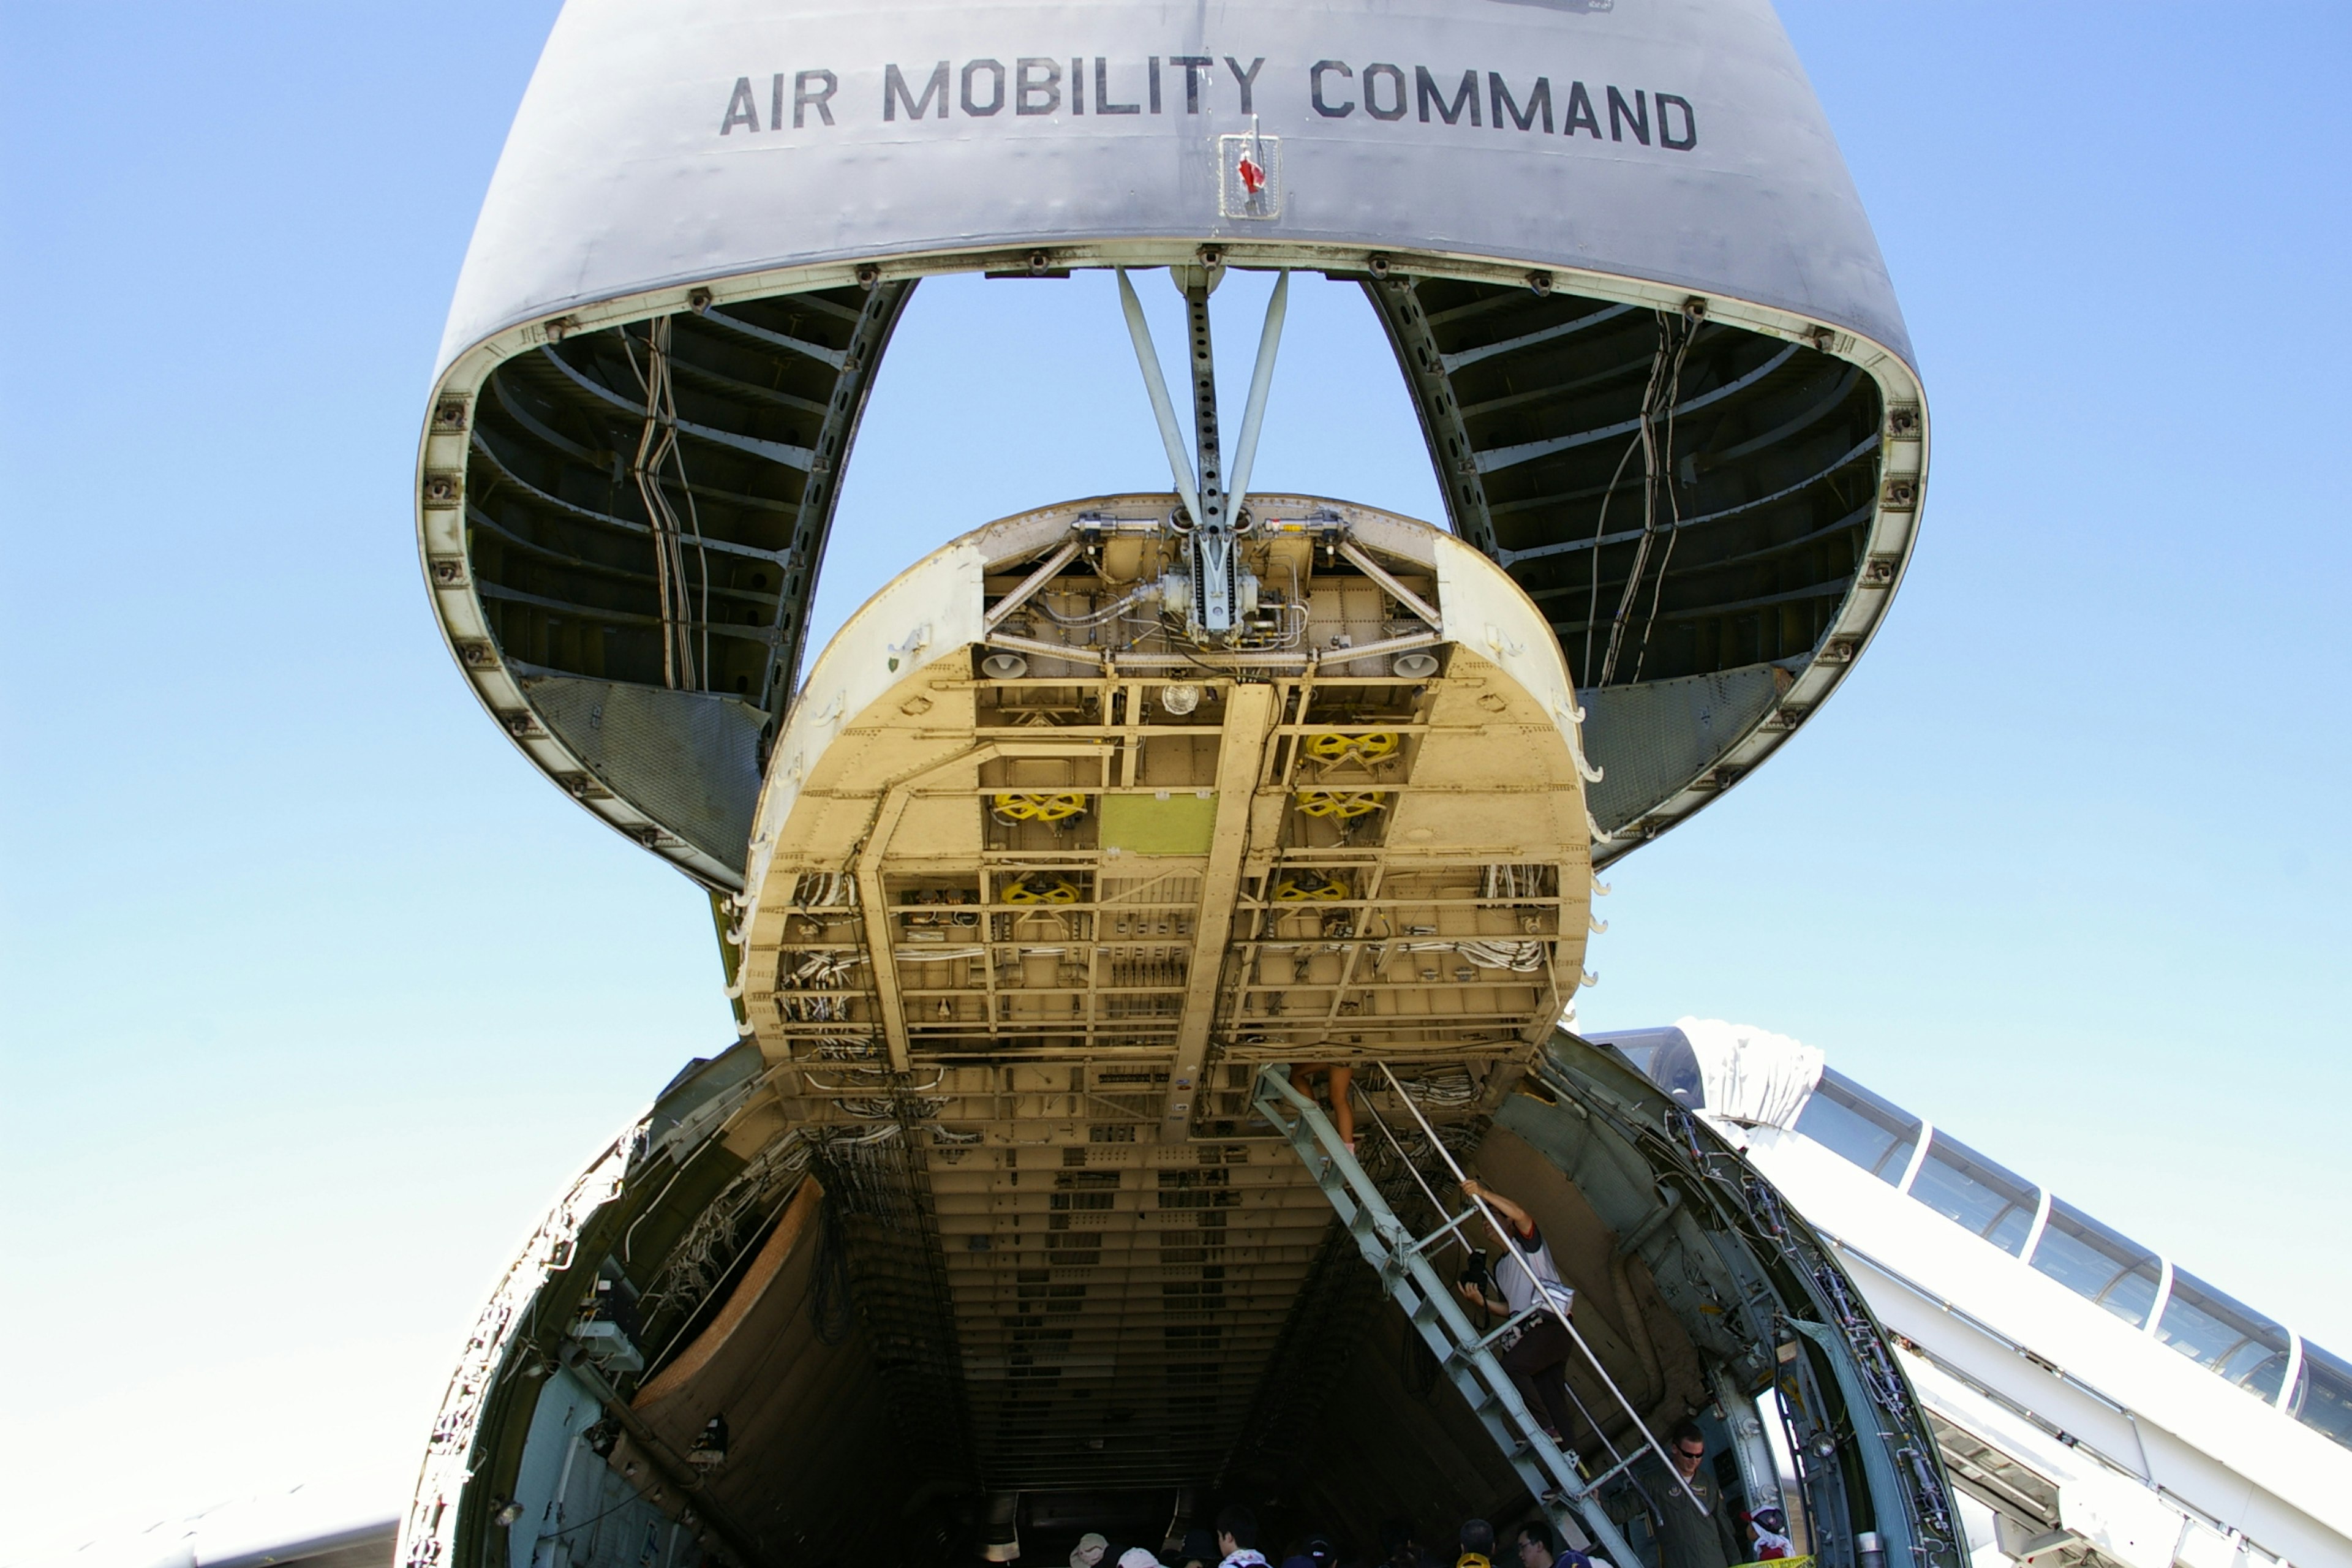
x=1476, y=1272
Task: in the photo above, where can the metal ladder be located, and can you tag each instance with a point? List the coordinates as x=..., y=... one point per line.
x=1552, y=1474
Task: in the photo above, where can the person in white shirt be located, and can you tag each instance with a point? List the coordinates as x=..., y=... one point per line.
x=1536, y=1354
x=1237, y=1537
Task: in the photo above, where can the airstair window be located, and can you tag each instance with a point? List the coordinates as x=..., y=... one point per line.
x=1961, y=1184
x=2097, y=1264
x=2323, y=1395
x=2227, y=1336
x=1847, y=1118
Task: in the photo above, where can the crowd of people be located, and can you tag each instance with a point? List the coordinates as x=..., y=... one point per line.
x=1234, y=1543
x=1685, y=1537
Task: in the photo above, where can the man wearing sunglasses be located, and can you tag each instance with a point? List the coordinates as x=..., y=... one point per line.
x=1687, y=1537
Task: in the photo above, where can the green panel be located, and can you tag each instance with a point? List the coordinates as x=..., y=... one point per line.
x=1181, y=822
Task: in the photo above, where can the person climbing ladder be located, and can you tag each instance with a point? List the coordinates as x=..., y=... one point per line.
x=1343, y=1109
x=1535, y=1354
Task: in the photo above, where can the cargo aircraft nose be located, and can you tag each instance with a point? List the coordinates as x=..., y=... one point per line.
x=1151, y=919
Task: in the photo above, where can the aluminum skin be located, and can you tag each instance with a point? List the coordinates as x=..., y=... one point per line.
x=633, y=164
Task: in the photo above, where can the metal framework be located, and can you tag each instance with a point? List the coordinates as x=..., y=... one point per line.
x=1055, y=894
x=1467, y=1355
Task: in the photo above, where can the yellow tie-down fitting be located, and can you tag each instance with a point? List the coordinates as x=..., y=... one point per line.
x=1303, y=887
x=1342, y=804
x=1020, y=806
x=1377, y=745
x=1040, y=887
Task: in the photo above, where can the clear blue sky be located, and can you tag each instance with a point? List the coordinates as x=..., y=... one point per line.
x=315, y=992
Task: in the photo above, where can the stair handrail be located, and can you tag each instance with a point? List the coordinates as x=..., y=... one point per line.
x=1618, y=1461
x=1388, y=1245
x=1558, y=1314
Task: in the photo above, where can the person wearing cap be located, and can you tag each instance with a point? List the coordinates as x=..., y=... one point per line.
x=1770, y=1527
x=1137, y=1557
x=1088, y=1551
x=1314, y=1552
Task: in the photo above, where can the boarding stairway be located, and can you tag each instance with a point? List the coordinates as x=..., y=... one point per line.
x=1553, y=1473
